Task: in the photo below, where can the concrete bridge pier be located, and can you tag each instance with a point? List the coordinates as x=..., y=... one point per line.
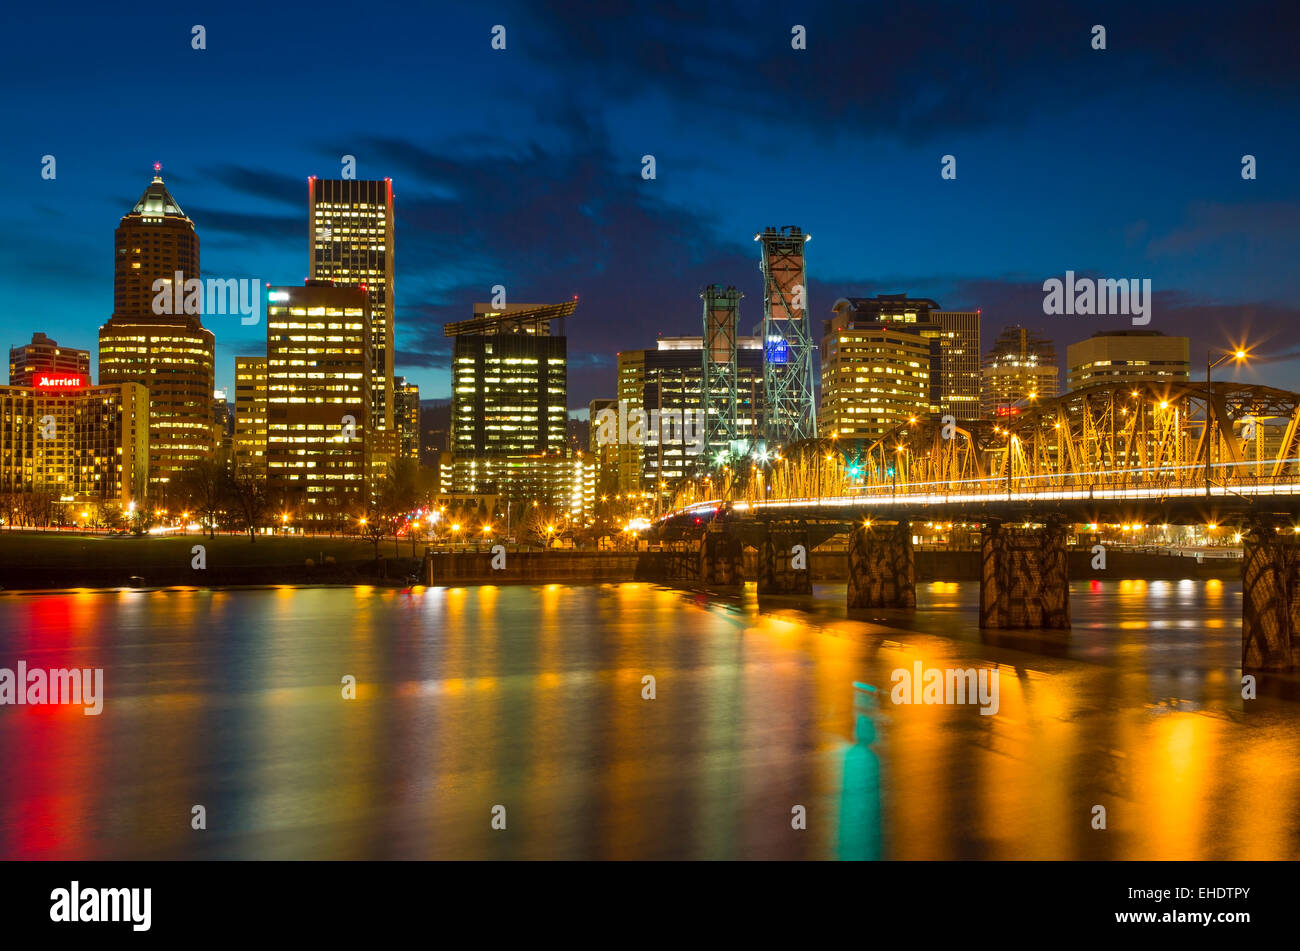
x=1025, y=578
x=721, y=560
x=1270, y=600
x=882, y=567
x=784, y=555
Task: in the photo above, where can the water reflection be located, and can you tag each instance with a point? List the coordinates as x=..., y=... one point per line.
x=532, y=698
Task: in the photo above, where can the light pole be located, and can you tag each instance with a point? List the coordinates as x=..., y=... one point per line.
x=1237, y=355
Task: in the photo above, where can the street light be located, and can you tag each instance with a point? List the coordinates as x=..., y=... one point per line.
x=1239, y=356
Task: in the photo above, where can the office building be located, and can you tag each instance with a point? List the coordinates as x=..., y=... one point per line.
x=351, y=243
x=406, y=418
x=169, y=354
x=74, y=443
x=1019, y=370
x=1127, y=356
x=249, y=445
x=44, y=357
x=509, y=389
x=318, y=404
x=959, y=363
x=881, y=360
x=667, y=384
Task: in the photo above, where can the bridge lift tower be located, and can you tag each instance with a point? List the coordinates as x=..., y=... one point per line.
x=789, y=401
x=719, y=390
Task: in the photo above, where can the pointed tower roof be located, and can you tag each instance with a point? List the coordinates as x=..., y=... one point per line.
x=157, y=201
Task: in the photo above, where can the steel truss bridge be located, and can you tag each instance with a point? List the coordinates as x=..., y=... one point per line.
x=1104, y=453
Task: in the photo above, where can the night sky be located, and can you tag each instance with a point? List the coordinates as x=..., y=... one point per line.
x=523, y=167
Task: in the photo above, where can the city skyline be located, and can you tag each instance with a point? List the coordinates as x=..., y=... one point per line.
x=1122, y=327
x=1174, y=208
x=654, y=431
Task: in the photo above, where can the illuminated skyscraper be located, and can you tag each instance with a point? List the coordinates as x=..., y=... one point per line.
x=509, y=387
x=351, y=242
x=880, y=365
x=318, y=399
x=406, y=418
x=169, y=353
x=250, y=414
x=959, y=363
x=670, y=380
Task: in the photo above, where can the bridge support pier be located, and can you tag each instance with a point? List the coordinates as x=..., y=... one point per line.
x=783, y=559
x=721, y=559
x=1270, y=600
x=882, y=567
x=1025, y=578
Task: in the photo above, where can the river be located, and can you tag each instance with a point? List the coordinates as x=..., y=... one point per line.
x=534, y=699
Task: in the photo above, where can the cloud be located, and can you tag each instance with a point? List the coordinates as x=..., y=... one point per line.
x=261, y=183
x=636, y=262
x=249, y=226
x=907, y=70
x=1210, y=224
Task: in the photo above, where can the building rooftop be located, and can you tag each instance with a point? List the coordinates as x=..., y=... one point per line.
x=157, y=202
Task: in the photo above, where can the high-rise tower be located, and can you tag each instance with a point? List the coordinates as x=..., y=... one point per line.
x=350, y=241
x=788, y=345
x=170, y=353
x=318, y=400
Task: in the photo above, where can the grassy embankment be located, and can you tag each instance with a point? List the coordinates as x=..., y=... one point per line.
x=71, y=559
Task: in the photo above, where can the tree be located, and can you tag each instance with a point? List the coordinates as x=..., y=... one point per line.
x=248, y=497
x=205, y=487
x=400, y=488
x=540, y=524
x=112, y=517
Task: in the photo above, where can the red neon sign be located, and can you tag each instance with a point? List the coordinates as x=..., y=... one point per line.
x=1008, y=410
x=60, y=381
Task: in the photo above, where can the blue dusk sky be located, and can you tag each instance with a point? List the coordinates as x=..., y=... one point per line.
x=523, y=166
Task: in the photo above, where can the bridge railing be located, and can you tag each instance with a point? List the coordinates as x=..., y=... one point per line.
x=1225, y=479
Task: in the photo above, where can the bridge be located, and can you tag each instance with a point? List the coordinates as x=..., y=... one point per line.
x=1134, y=454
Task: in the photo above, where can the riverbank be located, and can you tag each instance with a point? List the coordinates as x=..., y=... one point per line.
x=47, y=560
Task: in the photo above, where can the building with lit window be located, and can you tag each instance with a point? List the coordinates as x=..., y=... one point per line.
x=44, y=356
x=250, y=415
x=952, y=385
x=509, y=414
x=75, y=443
x=959, y=363
x=318, y=348
x=669, y=381
x=351, y=243
x=881, y=361
x=1019, y=369
x=1127, y=356
x=406, y=418
x=170, y=354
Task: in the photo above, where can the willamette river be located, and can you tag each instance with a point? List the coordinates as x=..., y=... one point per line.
x=531, y=698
